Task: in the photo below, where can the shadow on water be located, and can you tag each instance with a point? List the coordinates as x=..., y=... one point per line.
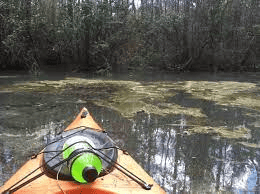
x=178, y=160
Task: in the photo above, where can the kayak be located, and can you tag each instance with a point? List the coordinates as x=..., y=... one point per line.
x=81, y=159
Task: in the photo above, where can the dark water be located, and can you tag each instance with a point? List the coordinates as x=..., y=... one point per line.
x=178, y=161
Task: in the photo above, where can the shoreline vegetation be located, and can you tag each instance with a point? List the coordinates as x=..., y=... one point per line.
x=120, y=36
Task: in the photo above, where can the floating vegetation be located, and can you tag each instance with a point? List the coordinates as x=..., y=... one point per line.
x=223, y=131
x=158, y=97
x=250, y=145
x=224, y=93
x=126, y=97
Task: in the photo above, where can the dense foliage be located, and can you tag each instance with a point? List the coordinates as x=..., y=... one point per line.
x=122, y=35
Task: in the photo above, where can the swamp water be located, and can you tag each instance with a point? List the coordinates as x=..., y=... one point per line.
x=191, y=133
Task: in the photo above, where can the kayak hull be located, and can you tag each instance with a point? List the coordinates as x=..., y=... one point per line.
x=114, y=182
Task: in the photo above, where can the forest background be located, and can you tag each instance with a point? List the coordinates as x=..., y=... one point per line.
x=120, y=35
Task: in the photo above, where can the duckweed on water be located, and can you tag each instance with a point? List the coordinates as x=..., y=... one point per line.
x=223, y=131
x=224, y=93
x=129, y=97
x=251, y=145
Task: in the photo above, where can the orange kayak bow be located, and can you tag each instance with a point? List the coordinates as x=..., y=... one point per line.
x=82, y=159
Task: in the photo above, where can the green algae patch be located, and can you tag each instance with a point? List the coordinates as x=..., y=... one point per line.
x=35, y=86
x=151, y=98
x=250, y=145
x=126, y=97
x=225, y=93
x=248, y=102
x=130, y=97
x=216, y=91
x=223, y=131
x=131, y=107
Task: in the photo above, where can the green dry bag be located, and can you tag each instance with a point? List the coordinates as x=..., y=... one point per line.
x=85, y=167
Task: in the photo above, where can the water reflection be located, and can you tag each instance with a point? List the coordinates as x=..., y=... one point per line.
x=177, y=159
x=192, y=163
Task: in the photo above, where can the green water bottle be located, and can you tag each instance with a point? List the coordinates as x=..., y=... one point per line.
x=84, y=167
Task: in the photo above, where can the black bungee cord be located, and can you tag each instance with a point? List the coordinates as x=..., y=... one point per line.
x=78, y=151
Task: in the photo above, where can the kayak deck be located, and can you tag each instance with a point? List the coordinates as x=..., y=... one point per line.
x=113, y=182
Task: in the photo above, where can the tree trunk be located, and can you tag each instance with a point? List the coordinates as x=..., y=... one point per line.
x=30, y=57
x=87, y=45
x=186, y=29
x=28, y=16
x=70, y=11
